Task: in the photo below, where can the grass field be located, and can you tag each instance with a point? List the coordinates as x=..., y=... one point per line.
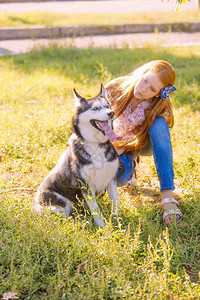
x=55, y=19
x=47, y=257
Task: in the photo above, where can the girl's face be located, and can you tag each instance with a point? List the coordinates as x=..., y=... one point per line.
x=148, y=86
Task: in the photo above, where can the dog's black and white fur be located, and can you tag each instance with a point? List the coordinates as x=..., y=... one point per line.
x=87, y=167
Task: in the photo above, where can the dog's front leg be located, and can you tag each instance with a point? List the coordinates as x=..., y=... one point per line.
x=113, y=195
x=94, y=208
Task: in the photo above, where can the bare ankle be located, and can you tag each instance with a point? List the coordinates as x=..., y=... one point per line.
x=167, y=194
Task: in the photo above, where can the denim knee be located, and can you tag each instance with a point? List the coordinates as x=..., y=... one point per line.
x=159, y=128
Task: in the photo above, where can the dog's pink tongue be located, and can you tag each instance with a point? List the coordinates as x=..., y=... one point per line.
x=108, y=131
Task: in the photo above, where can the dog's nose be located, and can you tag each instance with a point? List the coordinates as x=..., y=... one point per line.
x=111, y=114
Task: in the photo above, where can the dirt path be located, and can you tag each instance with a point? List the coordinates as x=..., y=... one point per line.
x=117, y=41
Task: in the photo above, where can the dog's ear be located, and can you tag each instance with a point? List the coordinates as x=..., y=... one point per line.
x=102, y=91
x=78, y=99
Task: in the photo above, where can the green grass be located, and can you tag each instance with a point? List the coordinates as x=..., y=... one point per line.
x=47, y=257
x=56, y=19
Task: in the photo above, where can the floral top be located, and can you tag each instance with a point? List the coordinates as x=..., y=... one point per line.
x=124, y=125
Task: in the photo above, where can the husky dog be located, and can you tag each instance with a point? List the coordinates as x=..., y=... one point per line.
x=88, y=166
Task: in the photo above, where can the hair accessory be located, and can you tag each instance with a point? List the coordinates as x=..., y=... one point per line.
x=166, y=92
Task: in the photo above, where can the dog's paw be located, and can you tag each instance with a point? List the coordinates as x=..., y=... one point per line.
x=37, y=208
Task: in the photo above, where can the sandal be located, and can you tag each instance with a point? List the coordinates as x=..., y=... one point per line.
x=171, y=211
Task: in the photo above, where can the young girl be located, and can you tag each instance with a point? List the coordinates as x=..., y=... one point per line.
x=144, y=115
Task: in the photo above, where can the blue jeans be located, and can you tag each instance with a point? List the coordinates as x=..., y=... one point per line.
x=160, y=143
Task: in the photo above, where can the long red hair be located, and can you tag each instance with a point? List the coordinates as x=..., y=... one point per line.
x=120, y=95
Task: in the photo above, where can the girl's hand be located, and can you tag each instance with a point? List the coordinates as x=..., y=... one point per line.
x=120, y=150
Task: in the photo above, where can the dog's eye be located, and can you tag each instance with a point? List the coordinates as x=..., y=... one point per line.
x=96, y=108
x=106, y=106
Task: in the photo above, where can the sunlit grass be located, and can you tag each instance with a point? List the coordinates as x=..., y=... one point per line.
x=56, y=19
x=48, y=257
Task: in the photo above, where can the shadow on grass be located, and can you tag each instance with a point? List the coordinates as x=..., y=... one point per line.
x=93, y=65
x=149, y=192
